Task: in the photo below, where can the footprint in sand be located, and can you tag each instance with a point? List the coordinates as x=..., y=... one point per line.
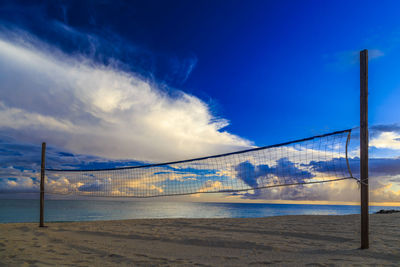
x=24, y=229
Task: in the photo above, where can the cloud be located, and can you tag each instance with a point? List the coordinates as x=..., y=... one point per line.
x=383, y=141
x=384, y=178
x=378, y=167
x=203, y=177
x=389, y=140
x=211, y=186
x=344, y=59
x=283, y=173
x=285, y=170
x=252, y=169
x=95, y=186
x=247, y=173
x=79, y=105
x=332, y=191
x=385, y=191
x=14, y=180
x=375, y=130
x=179, y=69
x=375, y=53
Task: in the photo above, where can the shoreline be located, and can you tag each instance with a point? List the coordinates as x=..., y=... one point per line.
x=280, y=240
x=176, y=199
x=76, y=210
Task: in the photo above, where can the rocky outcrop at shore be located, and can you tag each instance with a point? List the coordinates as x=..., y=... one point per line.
x=386, y=211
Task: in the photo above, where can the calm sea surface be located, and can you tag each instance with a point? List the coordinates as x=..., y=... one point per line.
x=23, y=210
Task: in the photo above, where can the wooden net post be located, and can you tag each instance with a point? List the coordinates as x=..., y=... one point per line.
x=42, y=174
x=364, y=147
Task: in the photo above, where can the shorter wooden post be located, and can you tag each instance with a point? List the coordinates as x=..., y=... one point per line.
x=42, y=174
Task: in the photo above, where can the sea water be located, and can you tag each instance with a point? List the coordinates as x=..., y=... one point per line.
x=27, y=210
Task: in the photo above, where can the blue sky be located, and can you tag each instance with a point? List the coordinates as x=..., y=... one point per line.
x=256, y=64
x=168, y=80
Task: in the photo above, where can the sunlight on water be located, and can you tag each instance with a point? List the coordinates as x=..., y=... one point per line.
x=22, y=210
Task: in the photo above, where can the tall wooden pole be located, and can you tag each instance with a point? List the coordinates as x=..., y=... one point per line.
x=364, y=147
x=42, y=185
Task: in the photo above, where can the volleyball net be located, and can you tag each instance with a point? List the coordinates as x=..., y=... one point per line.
x=317, y=159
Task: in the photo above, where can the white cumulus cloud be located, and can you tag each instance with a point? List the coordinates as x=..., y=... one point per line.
x=85, y=107
x=386, y=140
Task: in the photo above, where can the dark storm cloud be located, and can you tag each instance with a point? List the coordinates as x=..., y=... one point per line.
x=93, y=187
x=284, y=169
x=382, y=173
x=375, y=131
x=377, y=166
x=385, y=128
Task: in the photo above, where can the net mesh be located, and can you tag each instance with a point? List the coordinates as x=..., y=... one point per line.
x=316, y=159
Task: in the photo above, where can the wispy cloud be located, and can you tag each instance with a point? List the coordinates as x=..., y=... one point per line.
x=375, y=53
x=344, y=59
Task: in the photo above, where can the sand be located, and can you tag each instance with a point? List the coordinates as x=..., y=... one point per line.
x=281, y=241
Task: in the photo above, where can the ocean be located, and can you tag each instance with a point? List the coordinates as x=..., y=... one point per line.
x=25, y=210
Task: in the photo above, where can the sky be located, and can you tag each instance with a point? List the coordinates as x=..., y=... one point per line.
x=116, y=83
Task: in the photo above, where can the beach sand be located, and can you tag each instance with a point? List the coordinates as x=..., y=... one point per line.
x=284, y=240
